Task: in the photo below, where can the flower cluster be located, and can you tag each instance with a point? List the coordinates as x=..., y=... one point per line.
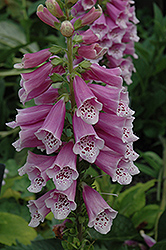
x=101, y=126
x=115, y=32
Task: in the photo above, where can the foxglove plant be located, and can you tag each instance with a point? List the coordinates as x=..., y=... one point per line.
x=88, y=122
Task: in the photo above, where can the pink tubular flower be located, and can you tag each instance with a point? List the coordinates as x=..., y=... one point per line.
x=129, y=50
x=126, y=66
x=123, y=108
x=149, y=240
x=27, y=138
x=92, y=52
x=91, y=16
x=62, y=202
x=119, y=127
x=48, y=97
x=117, y=15
x=46, y=16
x=34, y=79
x=130, y=33
x=87, y=143
x=102, y=74
x=63, y=170
x=109, y=96
x=99, y=212
x=38, y=209
x=32, y=60
x=87, y=104
x=132, y=16
x=116, y=35
x=111, y=124
x=116, y=144
x=88, y=4
x=51, y=130
x=117, y=50
x=35, y=83
x=29, y=116
x=108, y=160
x=89, y=37
x=54, y=8
x=112, y=163
x=34, y=92
x=124, y=172
x=100, y=27
x=36, y=167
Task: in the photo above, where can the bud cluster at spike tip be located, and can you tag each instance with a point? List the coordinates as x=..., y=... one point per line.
x=116, y=31
x=102, y=121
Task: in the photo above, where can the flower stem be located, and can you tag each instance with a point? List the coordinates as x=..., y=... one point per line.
x=163, y=200
x=79, y=202
x=70, y=68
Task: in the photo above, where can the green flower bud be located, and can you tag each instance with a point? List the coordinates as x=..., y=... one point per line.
x=67, y=29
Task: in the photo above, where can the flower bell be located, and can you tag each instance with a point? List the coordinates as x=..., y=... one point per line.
x=87, y=143
x=62, y=203
x=87, y=104
x=99, y=212
x=51, y=130
x=63, y=170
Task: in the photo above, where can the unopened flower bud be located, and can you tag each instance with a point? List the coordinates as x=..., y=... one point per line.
x=54, y=8
x=67, y=29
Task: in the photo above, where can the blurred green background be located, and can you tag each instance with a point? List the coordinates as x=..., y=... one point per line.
x=140, y=204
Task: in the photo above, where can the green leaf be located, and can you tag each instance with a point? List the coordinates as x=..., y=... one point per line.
x=57, y=78
x=161, y=245
x=161, y=65
x=102, y=247
x=12, y=72
x=49, y=244
x=162, y=227
x=56, y=61
x=33, y=7
x=11, y=34
x=85, y=64
x=56, y=49
x=143, y=52
x=14, y=207
x=147, y=214
x=157, y=13
x=14, y=228
x=121, y=230
x=133, y=198
x=146, y=170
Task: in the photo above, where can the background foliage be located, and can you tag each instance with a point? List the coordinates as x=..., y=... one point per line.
x=141, y=205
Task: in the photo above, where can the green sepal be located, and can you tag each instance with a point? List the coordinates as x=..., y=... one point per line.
x=56, y=61
x=57, y=25
x=85, y=64
x=56, y=78
x=61, y=4
x=70, y=3
x=75, y=50
x=56, y=49
x=77, y=24
x=77, y=39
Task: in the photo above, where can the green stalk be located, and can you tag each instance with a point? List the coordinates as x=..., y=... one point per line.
x=70, y=68
x=163, y=200
x=78, y=212
x=72, y=99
